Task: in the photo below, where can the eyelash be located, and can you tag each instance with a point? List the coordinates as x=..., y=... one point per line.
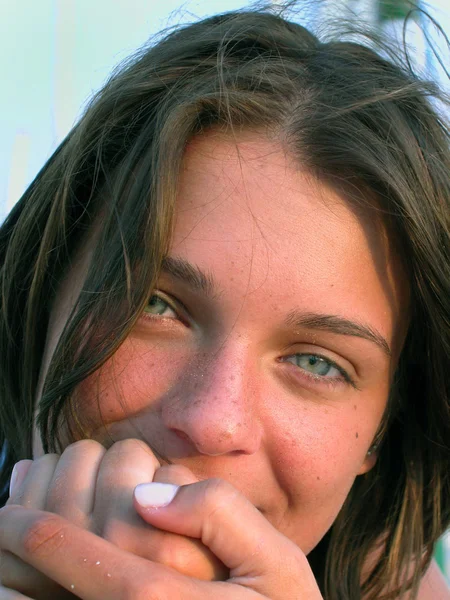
x=322, y=379
x=170, y=304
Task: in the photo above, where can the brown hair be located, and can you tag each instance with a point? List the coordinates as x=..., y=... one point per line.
x=355, y=119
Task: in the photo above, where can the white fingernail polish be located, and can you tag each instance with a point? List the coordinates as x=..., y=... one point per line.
x=155, y=495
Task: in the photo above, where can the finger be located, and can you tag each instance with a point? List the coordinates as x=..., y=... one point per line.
x=32, y=492
x=177, y=474
x=29, y=486
x=187, y=555
x=19, y=578
x=7, y=594
x=61, y=484
x=93, y=568
x=18, y=474
x=258, y=556
x=126, y=464
x=17, y=575
x=76, y=559
x=72, y=488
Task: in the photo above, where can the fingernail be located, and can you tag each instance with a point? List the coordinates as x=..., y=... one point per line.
x=155, y=495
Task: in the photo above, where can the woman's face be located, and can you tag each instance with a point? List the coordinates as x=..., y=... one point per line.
x=266, y=353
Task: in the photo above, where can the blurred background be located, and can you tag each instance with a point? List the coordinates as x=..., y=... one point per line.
x=56, y=53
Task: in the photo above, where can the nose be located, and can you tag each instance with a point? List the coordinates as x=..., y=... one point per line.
x=214, y=407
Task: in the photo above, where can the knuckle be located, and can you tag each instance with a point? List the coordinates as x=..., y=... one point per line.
x=170, y=552
x=173, y=473
x=85, y=447
x=219, y=500
x=45, y=460
x=129, y=445
x=293, y=562
x=185, y=556
x=218, y=494
x=189, y=560
x=124, y=448
x=45, y=536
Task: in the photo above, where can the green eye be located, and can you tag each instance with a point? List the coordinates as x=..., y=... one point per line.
x=316, y=365
x=159, y=307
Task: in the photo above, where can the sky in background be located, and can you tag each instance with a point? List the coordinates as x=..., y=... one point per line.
x=56, y=53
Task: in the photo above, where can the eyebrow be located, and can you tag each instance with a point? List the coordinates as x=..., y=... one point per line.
x=339, y=326
x=189, y=274
x=201, y=281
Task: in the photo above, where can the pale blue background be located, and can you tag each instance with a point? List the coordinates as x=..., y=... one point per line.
x=55, y=53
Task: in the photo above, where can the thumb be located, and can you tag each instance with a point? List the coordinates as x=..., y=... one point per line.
x=258, y=555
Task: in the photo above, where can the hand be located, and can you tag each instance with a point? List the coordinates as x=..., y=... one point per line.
x=263, y=563
x=93, y=488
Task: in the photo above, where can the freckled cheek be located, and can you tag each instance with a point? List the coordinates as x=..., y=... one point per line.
x=316, y=464
x=319, y=455
x=136, y=377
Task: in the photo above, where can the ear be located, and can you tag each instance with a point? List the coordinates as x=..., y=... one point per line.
x=369, y=462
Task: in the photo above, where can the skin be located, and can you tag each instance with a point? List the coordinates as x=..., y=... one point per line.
x=215, y=391
x=213, y=380
x=214, y=385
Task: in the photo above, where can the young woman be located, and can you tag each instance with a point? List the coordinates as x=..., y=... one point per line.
x=225, y=330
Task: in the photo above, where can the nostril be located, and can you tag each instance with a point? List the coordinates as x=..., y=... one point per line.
x=182, y=435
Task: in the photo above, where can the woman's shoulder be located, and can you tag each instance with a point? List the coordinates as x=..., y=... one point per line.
x=433, y=586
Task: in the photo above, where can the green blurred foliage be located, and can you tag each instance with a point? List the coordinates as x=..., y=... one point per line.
x=393, y=9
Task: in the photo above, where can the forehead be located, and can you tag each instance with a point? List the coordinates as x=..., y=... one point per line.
x=248, y=214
